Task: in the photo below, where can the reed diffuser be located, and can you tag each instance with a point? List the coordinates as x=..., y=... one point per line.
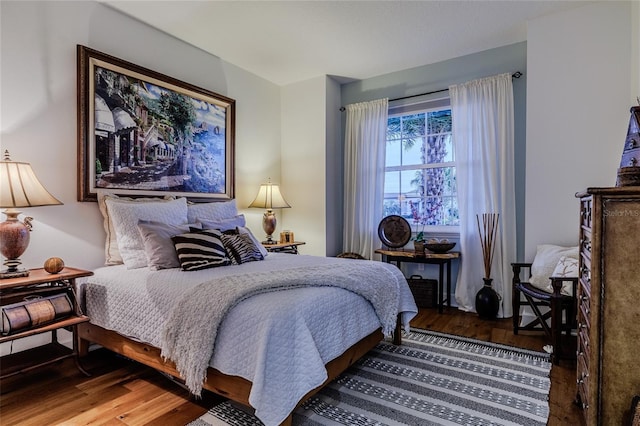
x=487, y=234
x=487, y=300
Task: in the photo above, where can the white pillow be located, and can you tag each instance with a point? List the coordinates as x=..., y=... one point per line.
x=158, y=246
x=223, y=224
x=566, y=267
x=125, y=217
x=212, y=211
x=111, y=251
x=547, y=257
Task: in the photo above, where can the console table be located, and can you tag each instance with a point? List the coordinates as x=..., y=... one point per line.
x=441, y=259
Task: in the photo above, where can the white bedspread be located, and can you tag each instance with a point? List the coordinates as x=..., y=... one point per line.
x=279, y=341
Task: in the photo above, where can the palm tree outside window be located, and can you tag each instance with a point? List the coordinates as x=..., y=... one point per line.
x=420, y=171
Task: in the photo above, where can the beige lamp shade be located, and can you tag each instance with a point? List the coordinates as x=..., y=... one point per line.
x=269, y=197
x=19, y=187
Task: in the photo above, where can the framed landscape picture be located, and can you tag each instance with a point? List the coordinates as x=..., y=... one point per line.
x=144, y=133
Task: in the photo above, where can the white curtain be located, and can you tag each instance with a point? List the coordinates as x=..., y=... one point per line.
x=482, y=112
x=365, y=142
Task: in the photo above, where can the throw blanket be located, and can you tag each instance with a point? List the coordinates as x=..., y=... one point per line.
x=190, y=332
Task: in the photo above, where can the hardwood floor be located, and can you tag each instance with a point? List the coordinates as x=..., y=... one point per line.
x=120, y=392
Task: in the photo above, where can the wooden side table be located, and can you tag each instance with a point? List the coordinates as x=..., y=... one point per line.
x=284, y=247
x=41, y=281
x=440, y=259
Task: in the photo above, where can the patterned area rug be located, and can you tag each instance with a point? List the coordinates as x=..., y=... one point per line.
x=432, y=379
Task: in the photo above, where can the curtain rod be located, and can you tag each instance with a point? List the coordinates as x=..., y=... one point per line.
x=516, y=74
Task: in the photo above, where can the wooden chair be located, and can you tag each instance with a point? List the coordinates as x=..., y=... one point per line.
x=560, y=328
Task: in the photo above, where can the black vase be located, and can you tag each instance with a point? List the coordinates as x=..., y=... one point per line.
x=487, y=301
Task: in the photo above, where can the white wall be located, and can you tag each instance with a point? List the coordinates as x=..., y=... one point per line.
x=312, y=162
x=334, y=169
x=38, y=115
x=578, y=90
x=303, y=163
x=257, y=138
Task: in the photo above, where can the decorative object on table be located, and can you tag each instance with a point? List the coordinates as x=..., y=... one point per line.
x=442, y=246
x=141, y=132
x=269, y=197
x=19, y=187
x=286, y=237
x=419, y=221
x=629, y=171
x=487, y=299
x=368, y=394
x=394, y=231
x=34, y=311
x=53, y=265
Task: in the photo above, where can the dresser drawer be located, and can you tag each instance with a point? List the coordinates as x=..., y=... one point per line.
x=585, y=212
x=584, y=302
x=583, y=372
x=584, y=321
x=585, y=243
x=584, y=400
x=585, y=273
x=584, y=350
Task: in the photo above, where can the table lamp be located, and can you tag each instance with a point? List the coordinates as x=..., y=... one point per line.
x=19, y=187
x=269, y=197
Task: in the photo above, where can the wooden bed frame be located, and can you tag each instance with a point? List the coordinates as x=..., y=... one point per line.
x=233, y=387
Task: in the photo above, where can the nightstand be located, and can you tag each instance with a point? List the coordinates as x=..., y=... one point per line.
x=284, y=247
x=41, y=282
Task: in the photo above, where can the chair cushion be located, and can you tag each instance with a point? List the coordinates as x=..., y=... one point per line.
x=534, y=291
x=545, y=263
x=566, y=267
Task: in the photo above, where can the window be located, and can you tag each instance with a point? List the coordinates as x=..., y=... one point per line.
x=420, y=172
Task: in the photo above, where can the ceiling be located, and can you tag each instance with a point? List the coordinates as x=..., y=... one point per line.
x=291, y=41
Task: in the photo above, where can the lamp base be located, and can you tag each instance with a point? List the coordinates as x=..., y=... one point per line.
x=14, y=240
x=269, y=225
x=8, y=273
x=269, y=241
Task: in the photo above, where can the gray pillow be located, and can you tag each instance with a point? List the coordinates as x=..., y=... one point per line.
x=158, y=247
x=223, y=224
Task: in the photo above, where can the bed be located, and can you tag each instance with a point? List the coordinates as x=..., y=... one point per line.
x=291, y=324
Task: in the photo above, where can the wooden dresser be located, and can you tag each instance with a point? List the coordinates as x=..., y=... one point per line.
x=608, y=356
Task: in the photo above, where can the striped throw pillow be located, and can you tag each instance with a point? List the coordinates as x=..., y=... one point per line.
x=241, y=248
x=200, y=250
